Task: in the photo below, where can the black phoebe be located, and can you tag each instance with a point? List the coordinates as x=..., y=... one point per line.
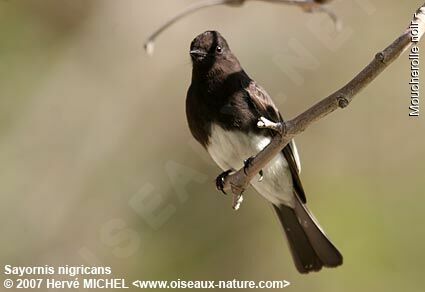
x=223, y=106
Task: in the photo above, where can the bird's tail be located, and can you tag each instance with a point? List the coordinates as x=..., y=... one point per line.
x=310, y=248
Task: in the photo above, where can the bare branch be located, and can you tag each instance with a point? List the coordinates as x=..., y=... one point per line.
x=307, y=5
x=239, y=180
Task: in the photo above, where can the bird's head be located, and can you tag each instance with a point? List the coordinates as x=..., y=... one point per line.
x=208, y=48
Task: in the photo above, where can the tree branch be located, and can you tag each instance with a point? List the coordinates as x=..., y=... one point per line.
x=307, y=5
x=238, y=181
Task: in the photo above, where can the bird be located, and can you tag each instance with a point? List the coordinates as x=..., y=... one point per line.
x=223, y=106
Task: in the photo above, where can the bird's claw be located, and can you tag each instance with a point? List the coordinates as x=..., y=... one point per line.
x=247, y=163
x=219, y=181
x=261, y=175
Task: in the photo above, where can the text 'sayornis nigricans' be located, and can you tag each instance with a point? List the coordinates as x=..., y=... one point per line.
x=223, y=106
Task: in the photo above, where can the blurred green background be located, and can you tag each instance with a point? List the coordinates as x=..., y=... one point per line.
x=98, y=166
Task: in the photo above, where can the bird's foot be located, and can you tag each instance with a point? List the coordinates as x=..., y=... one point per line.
x=247, y=163
x=219, y=181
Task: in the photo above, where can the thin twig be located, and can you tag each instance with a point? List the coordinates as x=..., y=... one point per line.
x=307, y=5
x=239, y=180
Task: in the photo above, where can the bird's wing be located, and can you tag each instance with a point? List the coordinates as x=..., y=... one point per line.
x=265, y=107
x=262, y=102
x=291, y=155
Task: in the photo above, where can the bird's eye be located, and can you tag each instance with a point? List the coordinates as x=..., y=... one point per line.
x=219, y=49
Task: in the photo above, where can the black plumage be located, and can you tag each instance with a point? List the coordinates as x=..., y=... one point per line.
x=222, y=96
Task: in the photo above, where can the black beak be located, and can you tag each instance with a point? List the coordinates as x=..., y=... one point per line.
x=197, y=54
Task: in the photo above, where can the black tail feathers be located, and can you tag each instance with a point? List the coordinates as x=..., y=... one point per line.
x=310, y=248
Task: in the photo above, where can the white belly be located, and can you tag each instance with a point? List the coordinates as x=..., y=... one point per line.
x=229, y=149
